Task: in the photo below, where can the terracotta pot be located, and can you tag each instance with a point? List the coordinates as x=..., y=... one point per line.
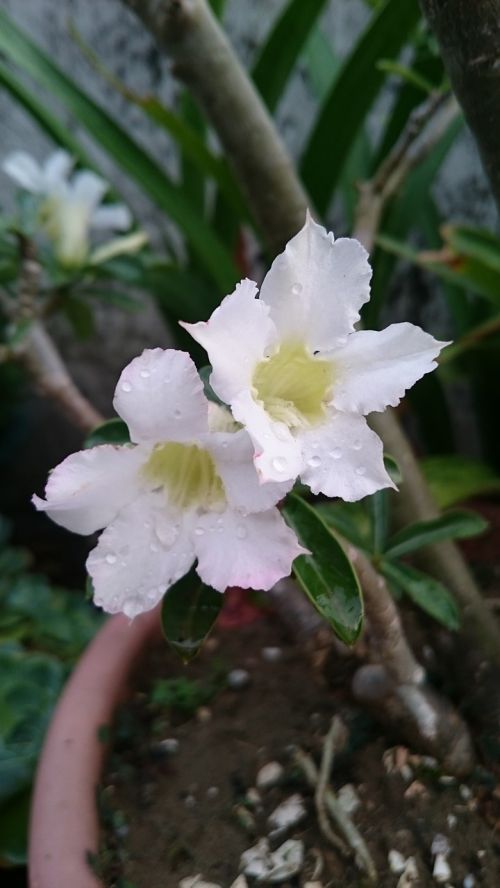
x=64, y=823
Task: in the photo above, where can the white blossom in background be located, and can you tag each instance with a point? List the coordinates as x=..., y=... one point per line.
x=185, y=489
x=297, y=374
x=71, y=206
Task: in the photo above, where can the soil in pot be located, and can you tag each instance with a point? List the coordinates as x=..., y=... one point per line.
x=180, y=796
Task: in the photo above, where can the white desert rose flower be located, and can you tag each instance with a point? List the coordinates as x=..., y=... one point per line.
x=70, y=205
x=185, y=490
x=300, y=378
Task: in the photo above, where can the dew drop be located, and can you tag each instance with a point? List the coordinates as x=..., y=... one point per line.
x=115, y=601
x=131, y=607
x=153, y=547
x=296, y=289
x=110, y=558
x=336, y=453
x=361, y=470
x=199, y=531
x=177, y=414
x=279, y=464
x=145, y=373
x=356, y=445
x=241, y=532
x=341, y=340
x=314, y=461
x=126, y=387
x=281, y=433
x=224, y=445
x=152, y=594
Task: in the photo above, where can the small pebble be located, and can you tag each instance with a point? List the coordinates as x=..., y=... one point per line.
x=288, y=814
x=469, y=881
x=452, y=821
x=252, y=797
x=203, y=714
x=269, y=775
x=441, y=872
x=170, y=745
x=465, y=792
x=440, y=845
x=196, y=882
x=190, y=801
x=397, y=862
x=272, y=654
x=212, y=792
x=238, y=679
x=240, y=882
x=348, y=798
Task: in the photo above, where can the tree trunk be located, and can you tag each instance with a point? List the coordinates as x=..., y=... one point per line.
x=468, y=32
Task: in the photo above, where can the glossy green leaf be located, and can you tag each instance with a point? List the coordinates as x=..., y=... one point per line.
x=430, y=595
x=348, y=519
x=14, y=816
x=378, y=505
x=451, y=526
x=189, y=612
x=454, y=479
x=113, y=431
x=279, y=53
x=326, y=575
x=351, y=97
x=476, y=243
x=124, y=151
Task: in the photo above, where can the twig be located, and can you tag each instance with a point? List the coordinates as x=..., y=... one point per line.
x=340, y=816
x=190, y=34
x=425, y=127
x=334, y=738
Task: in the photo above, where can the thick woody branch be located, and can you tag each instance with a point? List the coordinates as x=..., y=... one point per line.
x=192, y=37
x=205, y=61
x=468, y=32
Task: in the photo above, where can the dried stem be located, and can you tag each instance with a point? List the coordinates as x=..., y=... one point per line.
x=193, y=38
x=340, y=816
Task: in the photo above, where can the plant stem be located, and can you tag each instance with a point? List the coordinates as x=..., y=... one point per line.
x=204, y=59
x=469, y=36
x=191, y=35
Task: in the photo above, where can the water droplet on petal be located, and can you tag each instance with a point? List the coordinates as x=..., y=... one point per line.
x=341, y=340
x=131, y=607
x=356, y=445
x=224, y=444
x=110, y=558
x=115, y=601
x=145, y=373
x=153, y=547
x=152, y=594
x=281, y=433
x=296, y=289
x=314, y=461
x=199, y=531
x=241, y=532
x=126, y=387
x=361, y=470
x=336, y=453
x=279, y=464
x=177, y=414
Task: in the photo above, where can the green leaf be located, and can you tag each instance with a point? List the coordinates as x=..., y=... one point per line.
x=80, y=316
x=476, y=243
x=351, y=97
x=113, y=431
x=57, y=131
x=430, y=595
x=451, y=526
x=378, y=505
x=124, y=151
x=189, y=612
x=14, y=817
x=454, y=479
x=326, y=576
x=279, y=53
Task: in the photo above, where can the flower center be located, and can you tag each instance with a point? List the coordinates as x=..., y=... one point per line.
x=66, y=224
x=187, y=472
x=293, y=385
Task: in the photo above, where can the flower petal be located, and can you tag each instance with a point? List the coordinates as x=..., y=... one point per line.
x=344, y=458
x=317, y=286
x=88, y=189
x=233, y=457
x=56, y=170
x=277, y=453
x=375, y=368
x=119, y=246
x=160, y=397
x=250, y=551
x=116, y=217
x=24, y=170
x=145, y=549
x=86, y=490
x=235, y=338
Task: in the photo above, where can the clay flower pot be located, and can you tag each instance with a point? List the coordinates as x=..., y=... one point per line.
x=64, y=823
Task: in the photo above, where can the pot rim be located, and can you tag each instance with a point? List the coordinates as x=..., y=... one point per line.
x=64, y=826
